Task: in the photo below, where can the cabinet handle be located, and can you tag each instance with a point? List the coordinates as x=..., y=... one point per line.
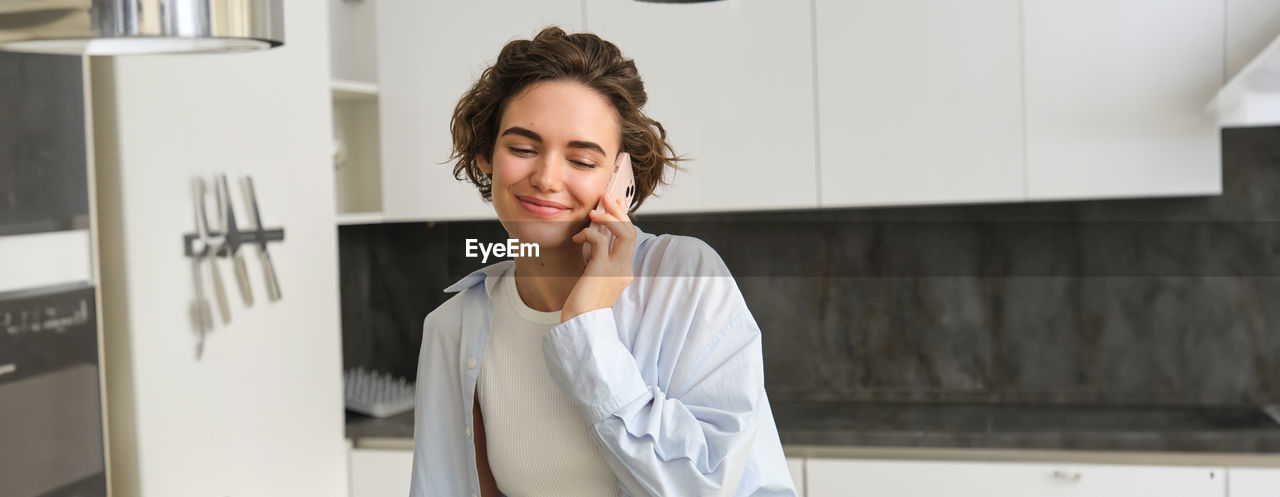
x=1071, y=476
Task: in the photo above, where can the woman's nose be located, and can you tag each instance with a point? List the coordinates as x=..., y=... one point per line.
x=547, y=174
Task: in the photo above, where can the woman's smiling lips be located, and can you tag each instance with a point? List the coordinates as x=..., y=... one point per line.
x=539, y=207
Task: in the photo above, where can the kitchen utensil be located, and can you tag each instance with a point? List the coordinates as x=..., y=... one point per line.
x=377, y=394
x=201, y=315
x=212, y=246
x=269, y=270
x=233, y=242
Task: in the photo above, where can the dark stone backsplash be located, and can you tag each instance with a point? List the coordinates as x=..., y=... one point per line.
x=44, y=183
x=1138, y=301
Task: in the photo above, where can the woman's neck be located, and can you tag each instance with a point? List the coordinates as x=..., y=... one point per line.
x=544, y=282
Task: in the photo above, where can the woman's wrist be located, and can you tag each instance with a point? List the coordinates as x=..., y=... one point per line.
x=567, y=313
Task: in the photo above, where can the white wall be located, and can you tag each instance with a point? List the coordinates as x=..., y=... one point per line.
x=42, y=259
x=261, y=413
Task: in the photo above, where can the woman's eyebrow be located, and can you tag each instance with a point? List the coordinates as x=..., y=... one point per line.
x=590, y=145
x=527, y=133
x=530, y=134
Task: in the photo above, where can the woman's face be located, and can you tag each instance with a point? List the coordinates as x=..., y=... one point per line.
x=557, y=141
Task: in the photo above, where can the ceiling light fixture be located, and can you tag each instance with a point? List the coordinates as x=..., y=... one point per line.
x=127, y=27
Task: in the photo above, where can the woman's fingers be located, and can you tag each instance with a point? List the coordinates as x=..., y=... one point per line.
x=615, y=218
x=612, y=223
x=599, y=242
x=603, y=218
x=613, y=206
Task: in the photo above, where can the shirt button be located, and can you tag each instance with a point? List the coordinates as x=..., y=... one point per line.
x=471, y=363
x=468, y=432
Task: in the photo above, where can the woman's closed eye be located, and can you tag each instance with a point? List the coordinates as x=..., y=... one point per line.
x=525, y=152
x=586, y=165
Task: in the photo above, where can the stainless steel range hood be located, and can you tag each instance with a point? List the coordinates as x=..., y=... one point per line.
x=124, y=27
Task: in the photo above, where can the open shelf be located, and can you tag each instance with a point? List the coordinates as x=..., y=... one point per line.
x=344, y=89
x=357, y=140
x=350, y=218
x=1252, y=97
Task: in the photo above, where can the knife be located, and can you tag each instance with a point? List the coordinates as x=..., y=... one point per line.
x=201, y=317
x=233, y=242
x=251, y=203
x=212, y=245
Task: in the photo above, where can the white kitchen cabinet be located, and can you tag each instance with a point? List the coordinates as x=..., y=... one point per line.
x=1251, y=25
x=732, y=83
x=1115, y=97
x=1098, y=480
x=850, y=477
x=1253, y=482
x=795, y=465
x=260, y=412
x=840, y=477
x=429, y=53
x=381, y=472
x=919, y=102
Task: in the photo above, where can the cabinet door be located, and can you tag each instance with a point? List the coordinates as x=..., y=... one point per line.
x=835, y=477
x=851, y=477
x=795, y=465
x=732, y=83
x=429, y=53
x=1094, y=480
x=380, y=473
x=1251, y=25
x=1115, y=97
x=1253, y=482
x=919, y=102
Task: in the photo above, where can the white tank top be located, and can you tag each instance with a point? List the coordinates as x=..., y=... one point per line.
x=537, y=440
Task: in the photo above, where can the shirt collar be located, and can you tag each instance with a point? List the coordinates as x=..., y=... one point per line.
x=497, y=268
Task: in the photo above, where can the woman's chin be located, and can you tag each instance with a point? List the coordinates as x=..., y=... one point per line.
x=547, y=234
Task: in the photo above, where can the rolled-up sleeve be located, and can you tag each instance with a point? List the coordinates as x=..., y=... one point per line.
x=656, y=443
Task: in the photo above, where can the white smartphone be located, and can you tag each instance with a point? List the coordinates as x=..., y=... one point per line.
x=622, y=184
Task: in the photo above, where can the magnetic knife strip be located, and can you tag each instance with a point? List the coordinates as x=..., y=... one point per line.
x=243, y=238
x=225, y=239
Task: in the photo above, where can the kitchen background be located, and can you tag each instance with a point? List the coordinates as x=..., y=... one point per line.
x=997, y=247
x=1145, y=301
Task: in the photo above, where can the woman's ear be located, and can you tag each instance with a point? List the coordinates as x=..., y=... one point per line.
x=485, y=165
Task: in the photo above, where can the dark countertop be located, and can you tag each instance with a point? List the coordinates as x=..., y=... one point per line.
x=1244, y=429
x=1220, y=429
x=398, y=426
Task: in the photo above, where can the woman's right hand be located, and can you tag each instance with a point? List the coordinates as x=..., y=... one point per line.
x=607, y=273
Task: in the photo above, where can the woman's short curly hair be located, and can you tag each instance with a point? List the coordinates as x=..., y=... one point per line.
x=554, y=55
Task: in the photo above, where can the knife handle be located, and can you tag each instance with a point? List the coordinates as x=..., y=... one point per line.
x=201, y=317
x=273, y=285
x=219, y=290
x=242, y=278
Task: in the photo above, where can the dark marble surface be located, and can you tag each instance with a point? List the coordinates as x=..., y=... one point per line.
x=1159, y=301
x=43, y=156
x=397, y=426
x=1239, y=429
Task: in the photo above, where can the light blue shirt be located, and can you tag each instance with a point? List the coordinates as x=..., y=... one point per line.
x=670, y=381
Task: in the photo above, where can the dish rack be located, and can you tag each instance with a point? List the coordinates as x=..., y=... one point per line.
x=377, y=394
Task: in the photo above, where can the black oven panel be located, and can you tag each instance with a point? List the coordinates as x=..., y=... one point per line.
x=50, y=400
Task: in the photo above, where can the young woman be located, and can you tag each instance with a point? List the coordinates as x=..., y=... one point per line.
x=638, y=372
